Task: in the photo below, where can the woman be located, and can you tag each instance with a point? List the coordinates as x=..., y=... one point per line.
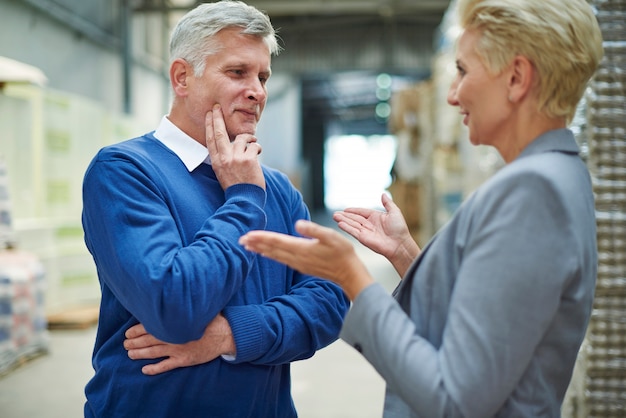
x=489, y=317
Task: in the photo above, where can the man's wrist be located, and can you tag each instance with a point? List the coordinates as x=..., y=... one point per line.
x=228, y=349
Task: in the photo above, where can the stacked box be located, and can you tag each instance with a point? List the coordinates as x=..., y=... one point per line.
x=6, y=230
x=23, y=326
x=605, y=377
x=411, y=122
x=7, y=353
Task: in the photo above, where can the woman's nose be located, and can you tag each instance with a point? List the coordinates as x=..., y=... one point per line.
x=452, y=101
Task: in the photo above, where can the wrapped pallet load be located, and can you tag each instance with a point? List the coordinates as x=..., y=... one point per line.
x=410, y=123
x=23, y=330
x=598, y=388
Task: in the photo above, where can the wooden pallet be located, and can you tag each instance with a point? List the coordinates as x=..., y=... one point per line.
x=80, y=317
x=18, y=362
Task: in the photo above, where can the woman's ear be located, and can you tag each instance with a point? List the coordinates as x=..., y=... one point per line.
x=179, y=71
x=521, y=78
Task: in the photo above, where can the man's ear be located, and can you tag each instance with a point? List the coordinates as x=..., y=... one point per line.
x=521, y=78
x=180, y=70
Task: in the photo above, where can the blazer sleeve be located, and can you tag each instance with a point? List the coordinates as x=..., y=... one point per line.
x=514, y=263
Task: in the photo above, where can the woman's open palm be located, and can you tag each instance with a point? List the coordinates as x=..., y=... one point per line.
x=384, y=232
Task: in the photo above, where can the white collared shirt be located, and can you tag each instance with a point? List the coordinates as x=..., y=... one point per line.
x=190, y=151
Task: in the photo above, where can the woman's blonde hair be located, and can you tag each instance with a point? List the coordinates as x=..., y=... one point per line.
x=561, y=38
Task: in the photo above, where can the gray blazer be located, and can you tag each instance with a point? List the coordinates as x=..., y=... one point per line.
x=489, y=319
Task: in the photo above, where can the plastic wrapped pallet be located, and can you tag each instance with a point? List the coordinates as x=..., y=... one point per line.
x=411, y=121
x=23, y=327
x=6, y=230
x=604, y=383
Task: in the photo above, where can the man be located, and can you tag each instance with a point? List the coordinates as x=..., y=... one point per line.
x=162, y=217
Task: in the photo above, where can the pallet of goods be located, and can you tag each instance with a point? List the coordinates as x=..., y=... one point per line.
x=23, y=331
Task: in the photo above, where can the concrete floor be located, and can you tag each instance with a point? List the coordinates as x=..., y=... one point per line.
x=335, y=383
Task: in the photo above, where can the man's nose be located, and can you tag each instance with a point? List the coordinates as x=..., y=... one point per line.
x=257, y=91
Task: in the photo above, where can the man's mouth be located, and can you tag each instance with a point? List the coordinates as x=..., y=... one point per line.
x=249, y=112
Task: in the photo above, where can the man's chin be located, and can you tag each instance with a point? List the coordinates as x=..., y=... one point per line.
x=246, y=129
x=234, y=135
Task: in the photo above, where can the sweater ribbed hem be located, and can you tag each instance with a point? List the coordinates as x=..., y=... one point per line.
x=246, y=332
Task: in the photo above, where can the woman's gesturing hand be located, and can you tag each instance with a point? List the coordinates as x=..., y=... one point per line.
x=323, y=253
x=384, y=232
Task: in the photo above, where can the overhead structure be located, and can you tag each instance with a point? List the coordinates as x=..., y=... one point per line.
x=288, y=8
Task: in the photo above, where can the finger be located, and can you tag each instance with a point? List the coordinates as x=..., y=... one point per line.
x=160, y=367
x=313, y=230
x=247, y=144
x=219, y=138
x=209, y=133
x=150, y=352
x=142, y=341
x=254, y=147
x=262, y=239
x=364, y=212
x=135, y=331
x=352, y=229
x=320, y=237
x=273, y=245
x=350, y=218
x=241, y=142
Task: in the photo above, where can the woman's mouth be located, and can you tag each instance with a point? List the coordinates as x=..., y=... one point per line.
x=465, y=118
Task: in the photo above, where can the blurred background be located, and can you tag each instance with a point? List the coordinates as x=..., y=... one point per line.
x=357, y=107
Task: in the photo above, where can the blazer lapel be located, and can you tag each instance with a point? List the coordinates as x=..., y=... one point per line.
x=402, y=292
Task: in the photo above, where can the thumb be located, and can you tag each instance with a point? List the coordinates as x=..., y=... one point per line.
x=388, y=203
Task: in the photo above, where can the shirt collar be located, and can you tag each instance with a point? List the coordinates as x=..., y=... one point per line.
x=190, y=151
x=559, y=140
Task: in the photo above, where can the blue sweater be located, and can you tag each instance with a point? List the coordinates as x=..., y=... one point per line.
x=165, y=243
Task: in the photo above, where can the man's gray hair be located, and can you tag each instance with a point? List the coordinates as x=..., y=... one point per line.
x=191, y=39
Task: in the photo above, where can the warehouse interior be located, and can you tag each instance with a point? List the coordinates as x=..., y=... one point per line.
x=357, y=107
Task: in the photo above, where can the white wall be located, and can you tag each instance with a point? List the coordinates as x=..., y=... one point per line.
x=279, y=129
x=74, y=64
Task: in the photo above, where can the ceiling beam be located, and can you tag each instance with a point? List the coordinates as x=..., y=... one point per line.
x=326, y=7
x=278, y=8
